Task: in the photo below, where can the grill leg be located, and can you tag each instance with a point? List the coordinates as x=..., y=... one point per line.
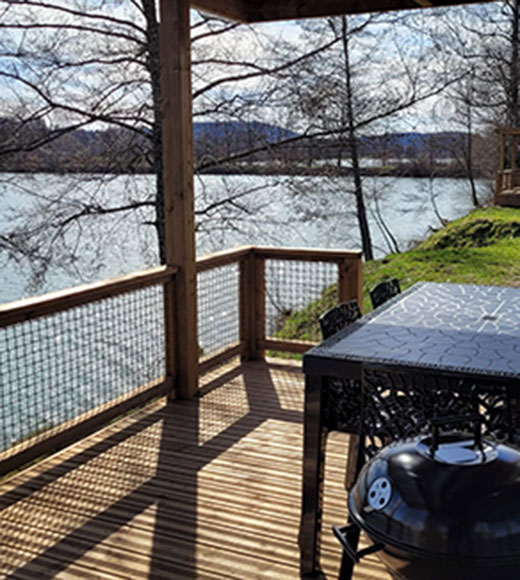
x=352, y=469
x=347, y=564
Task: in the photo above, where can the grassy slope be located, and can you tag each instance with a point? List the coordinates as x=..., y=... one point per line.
x=481, y=248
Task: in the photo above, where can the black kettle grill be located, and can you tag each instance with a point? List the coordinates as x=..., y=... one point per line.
x=440, y=506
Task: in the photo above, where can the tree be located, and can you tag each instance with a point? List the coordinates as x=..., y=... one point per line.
x=81, y=67
x=377, y=68
x=486, y=40
x=462, y=145
x=94, y=66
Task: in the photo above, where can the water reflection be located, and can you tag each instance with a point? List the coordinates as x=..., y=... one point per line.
x=300, y=211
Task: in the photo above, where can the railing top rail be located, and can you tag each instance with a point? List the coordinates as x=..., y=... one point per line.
x=509, y=130
x=308, y=254
x=35, y=307
x=223, y=258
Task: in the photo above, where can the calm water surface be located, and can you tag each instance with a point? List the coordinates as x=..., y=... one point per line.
x=301, y=212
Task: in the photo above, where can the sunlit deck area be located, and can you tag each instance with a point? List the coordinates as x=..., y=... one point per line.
x=208, y=488
x=143, y=432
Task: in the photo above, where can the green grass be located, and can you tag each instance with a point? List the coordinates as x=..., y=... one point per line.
x=481, y=248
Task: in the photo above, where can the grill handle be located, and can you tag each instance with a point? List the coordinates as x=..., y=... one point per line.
x=342, y=533
x=436, y=423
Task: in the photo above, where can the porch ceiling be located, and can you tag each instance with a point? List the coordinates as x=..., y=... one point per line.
x=268, y=10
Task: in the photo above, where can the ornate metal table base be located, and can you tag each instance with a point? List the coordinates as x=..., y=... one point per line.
x=398, y=403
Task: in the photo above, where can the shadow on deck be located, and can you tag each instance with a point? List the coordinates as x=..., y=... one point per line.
x=208, y=488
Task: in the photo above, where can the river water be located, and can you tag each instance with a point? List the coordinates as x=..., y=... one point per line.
x=300, y=212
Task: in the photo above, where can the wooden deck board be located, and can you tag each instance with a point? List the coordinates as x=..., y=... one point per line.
x=202, y=489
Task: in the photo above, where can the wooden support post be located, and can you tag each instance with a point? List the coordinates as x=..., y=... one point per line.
x=258, y=352
x=170, y=350
x=247, y=305
x=350, y=279
x=252, y=306
x=502, y=162
x=177, y=135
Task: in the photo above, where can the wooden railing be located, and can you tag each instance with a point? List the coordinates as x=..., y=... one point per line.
x=37, y=359
x=54, y=302
x=507, y=179
x=349, y=285
x=50, y=341
x=252, y=340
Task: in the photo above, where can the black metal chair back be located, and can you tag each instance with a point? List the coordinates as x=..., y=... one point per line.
x=341, y=397
x=384, y=291
x=339, y=317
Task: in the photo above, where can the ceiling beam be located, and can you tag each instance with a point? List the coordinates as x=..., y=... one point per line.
x=272, y=10
x=230, y=9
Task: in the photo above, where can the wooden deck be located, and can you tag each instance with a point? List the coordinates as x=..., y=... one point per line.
x=202, y=489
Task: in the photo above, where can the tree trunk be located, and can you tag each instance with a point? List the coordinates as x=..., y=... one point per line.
x=154, y=68
x=469, y=161
x=364, y=230
x=513, y=88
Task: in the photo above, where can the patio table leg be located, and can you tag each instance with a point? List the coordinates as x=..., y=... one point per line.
x=313, y=470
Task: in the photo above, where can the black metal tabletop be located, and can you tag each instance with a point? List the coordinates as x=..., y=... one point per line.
x=451, y=327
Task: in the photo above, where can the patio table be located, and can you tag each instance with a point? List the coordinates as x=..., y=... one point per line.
x=465, y=331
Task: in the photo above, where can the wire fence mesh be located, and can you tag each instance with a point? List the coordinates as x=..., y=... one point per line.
x=55, y=368
x=296, y=294
x=218, y=309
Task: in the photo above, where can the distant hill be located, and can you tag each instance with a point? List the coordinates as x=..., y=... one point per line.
x=221, y=139
x=240, y=131
x=412, y=144
x=218, y=140
x=119, y=150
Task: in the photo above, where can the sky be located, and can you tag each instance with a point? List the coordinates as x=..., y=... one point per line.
x=86, y=84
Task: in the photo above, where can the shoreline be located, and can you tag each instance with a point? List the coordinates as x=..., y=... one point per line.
x=401, y=170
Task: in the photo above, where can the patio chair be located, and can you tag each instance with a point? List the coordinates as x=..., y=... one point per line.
x=342, y=402
x=384, y=291
x=339, y=317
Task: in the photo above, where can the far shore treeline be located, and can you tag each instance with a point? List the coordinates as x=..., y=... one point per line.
x=230, y=148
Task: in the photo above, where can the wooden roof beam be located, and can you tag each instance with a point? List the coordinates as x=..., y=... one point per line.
x=272, y=10
x=230, y=9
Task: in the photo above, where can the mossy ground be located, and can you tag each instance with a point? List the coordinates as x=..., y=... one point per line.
x=480, y=248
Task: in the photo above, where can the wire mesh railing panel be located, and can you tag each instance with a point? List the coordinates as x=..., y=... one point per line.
x=58, y=367
x=218, y=309
x=296, y=294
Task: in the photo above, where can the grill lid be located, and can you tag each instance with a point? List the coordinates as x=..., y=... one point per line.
x=447, y=496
